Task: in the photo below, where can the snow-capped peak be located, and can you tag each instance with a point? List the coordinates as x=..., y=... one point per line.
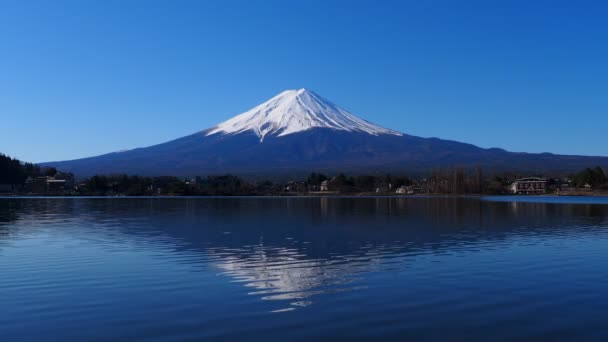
x=294, y=111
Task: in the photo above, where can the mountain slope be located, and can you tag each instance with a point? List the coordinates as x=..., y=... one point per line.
x=297, y=132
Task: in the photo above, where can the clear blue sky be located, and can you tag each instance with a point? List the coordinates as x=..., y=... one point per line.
x=81, y=78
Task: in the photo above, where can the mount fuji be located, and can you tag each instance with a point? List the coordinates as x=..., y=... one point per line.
x=297, y=132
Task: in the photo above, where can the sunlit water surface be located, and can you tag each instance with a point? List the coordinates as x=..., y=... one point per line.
x=174, y=269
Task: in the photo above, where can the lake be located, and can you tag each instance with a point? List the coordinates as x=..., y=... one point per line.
x=278, y=269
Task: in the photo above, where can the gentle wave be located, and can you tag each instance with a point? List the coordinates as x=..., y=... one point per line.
x=78, y=269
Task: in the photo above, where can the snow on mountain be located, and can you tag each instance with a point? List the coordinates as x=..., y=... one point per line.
x=295, y=111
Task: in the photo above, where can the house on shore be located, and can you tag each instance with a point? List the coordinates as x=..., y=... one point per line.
x=60, y=183
x=408, y=190
x=324, y=185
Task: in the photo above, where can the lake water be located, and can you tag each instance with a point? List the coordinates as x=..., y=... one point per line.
x=178, y=269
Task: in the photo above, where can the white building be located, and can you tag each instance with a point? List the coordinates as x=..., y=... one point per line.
x=529, y=185
x=324, y=185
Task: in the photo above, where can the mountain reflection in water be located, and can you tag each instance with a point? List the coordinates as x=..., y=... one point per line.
x=308, y=252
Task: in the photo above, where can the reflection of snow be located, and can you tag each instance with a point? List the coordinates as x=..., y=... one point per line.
x=284, y=273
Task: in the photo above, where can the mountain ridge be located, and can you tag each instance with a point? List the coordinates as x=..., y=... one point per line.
x=297, y=132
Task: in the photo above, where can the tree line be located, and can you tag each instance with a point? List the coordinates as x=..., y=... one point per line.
x=457, y=181
x=101, y=185
x=594, y=177
x=230, y=185
x=454, y=180
x=13, y=171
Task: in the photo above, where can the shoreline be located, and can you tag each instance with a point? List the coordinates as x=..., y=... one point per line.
x=318, y=195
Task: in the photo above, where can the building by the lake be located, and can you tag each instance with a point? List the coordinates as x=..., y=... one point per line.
x=409, y=190
x=60, y=183
x=529, y=186
x=324, y=185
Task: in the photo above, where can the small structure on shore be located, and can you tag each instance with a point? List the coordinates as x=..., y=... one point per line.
x=324, y=185
x=404, y=190
x=409, y=190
